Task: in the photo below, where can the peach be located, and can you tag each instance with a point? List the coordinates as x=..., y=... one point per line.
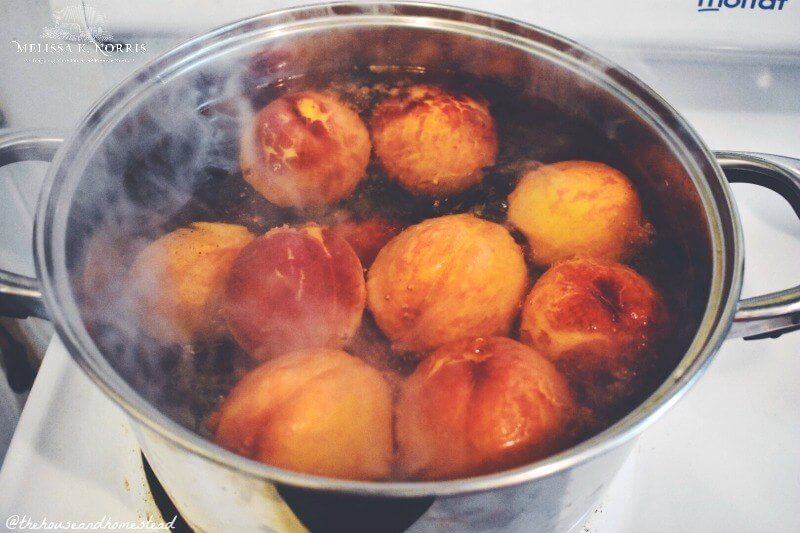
x=176, y=282
x=367, y=237
x=318, y=411
x=305, y=149
x=108, y=255
x=432, y=142
x=294, y=288
x=598, y=321
x=478, y=406
x=445, y=279
x=578, y=208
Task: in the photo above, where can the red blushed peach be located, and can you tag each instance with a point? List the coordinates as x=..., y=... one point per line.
x=294, y=288
x=318, y=411
x=305, y=149
x=367, y=237
x=598, y=322
x=432, y=142
x=578, y=208
x=175, y=283
x=479, y=406
x=446, y=279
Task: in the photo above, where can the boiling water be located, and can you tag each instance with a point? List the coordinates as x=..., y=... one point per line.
x=188, y=382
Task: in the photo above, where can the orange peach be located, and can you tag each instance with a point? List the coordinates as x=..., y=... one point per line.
x=478, y=406
x=294, y=288
x=175, y=283
x=432, y=142
x=578, y=208
x=108, y=256
x=318, y=411
x=445, y=279
x=367, y=237
x=598, y=321
x=305, y=149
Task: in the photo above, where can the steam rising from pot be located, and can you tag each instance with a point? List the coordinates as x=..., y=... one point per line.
x=173, y=159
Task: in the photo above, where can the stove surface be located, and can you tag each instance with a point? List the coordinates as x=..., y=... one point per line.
x=723, y=459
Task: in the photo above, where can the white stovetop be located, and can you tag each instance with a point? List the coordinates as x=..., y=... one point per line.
x=723, y=459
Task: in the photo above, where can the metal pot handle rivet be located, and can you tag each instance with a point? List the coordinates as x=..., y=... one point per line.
x=20, y=296
x=770, y=315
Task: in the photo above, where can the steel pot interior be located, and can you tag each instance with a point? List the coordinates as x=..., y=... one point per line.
x=141, y=153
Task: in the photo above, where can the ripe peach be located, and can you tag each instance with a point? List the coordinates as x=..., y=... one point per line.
x=432, y=142
x=318, y=411
x=294, y=288
x=108, y=255
x=175, y=283
x=446, y=279
x=305, y=149
x=481, y=405
x=597, y=321
x=578, y=208
x=367, y=237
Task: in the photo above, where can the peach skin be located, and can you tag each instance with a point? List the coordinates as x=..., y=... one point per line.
x=481, y=405
x=598, y=321
x=318, y=411
x=176, y=283
x=305, y=149
x=294, y=288
x=445, y=279
x=432, y=142
x=578, y=209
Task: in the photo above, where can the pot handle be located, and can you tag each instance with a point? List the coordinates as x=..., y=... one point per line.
x=20, y=296
x=770, y=315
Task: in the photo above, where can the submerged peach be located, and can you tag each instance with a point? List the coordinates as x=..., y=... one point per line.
x=318, y=411
x=175, y=283
x=598, y=322
x=305, y=149
x=446, y=279
x=433, y=142
x=367, y=237
x=481, y=405
x=294, y=288
x=109, y=254
x=578, y=208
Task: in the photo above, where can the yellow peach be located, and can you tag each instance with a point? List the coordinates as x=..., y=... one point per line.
x=446, y=279
x=578, y=208
x=318, y=411
x=432, y=142
x=175, y=284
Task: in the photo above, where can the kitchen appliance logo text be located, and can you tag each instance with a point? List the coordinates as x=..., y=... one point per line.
x=718, y=5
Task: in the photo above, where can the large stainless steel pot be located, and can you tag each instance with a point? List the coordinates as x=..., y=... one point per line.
x=219, y=491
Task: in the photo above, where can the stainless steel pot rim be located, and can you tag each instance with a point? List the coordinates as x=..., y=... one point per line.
x=725, y=290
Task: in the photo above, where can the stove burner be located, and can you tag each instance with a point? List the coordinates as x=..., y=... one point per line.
x=324, y=512
x=14, y=358
x=319, y=512
x=163, y=501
